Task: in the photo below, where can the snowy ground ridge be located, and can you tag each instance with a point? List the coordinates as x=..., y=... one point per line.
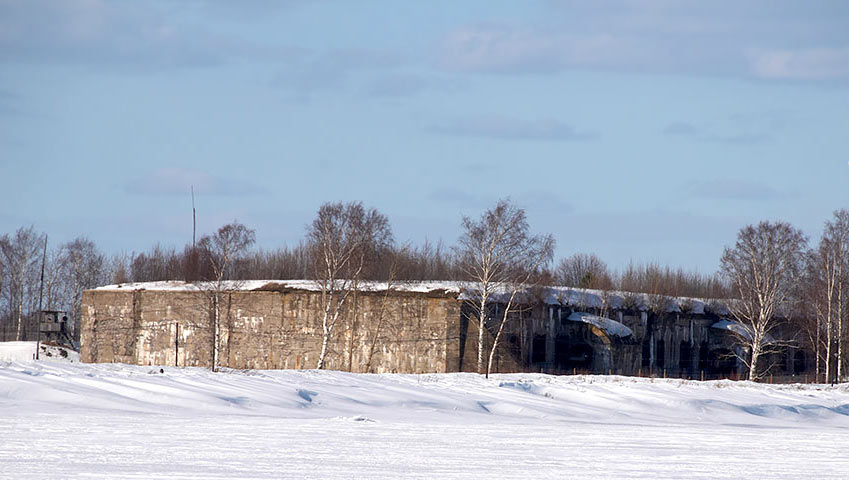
x=511, y=398
x=72, y=420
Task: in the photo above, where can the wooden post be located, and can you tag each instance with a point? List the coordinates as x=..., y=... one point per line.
x=703, y=375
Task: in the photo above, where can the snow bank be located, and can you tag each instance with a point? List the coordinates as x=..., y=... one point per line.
x=62, y=420
x=449, y=397
x=24, y=351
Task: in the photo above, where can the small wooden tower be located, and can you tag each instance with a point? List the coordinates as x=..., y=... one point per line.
x=54, y=326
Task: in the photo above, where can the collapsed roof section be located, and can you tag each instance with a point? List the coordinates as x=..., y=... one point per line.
x=608, y=326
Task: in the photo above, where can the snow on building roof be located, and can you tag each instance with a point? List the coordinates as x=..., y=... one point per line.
x=551, y=295
x=309, y=285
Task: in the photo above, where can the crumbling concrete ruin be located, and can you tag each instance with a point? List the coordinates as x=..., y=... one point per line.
x=415, y=328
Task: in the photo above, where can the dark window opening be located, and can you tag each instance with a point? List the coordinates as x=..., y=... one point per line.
x=685, y=358
x=799, y=363
x=569, y=355
x=538, y=349
x=646, y=353
x=660, y=354
x=703, y=356
x=722, y=361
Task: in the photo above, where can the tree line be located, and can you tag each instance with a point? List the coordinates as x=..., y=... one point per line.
x=771, y=273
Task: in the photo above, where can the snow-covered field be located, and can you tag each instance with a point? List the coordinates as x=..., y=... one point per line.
x=71, y=420
x=23, y=351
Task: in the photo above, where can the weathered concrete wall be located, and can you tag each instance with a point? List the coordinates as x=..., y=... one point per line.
x=463, y=345
x=401, y=332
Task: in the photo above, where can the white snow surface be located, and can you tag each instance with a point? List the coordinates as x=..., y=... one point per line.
x=309, y=285
x=71, y=420
x=24, y=351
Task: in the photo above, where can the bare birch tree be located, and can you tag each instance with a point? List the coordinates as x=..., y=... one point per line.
x=341, y=239
x=20, y=254
x=763, y=268
x=524, y=274
x=837, y=232
x=83, y=266
x=827, y=293
x=487, y=253
x=220, y=251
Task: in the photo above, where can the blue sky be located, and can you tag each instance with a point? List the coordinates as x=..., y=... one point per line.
x=637, y=130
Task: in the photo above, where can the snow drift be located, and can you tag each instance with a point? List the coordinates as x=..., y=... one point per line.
x=126, y=421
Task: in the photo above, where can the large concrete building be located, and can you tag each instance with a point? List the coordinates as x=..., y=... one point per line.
x=414, y=328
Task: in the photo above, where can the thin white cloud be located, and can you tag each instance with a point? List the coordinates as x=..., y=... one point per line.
x=333, y=69
x=739, y=139
x=729, y=189
x=801, y=64
x=669, y=37
x=461, y=197
x=682, y=129
x=134, y=36
x=180, y=181
x=505, y=49
x=8, y=102
x=512, y=129
x=704, y=134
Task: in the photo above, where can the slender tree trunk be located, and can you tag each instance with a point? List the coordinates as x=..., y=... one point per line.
x=19, y=316
x=828, y=345
x=495, y=343
x=840, y=321
x=349, y=354
x=753, y=367
x=481, y=327
x=500, y=330
x=216, y=332
x=818, y=347
x=325, y=327
x=380, y=319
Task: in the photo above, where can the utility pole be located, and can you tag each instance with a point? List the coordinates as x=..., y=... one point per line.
x=40, y=298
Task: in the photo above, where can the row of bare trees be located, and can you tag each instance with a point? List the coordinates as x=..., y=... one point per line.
x=786, y=294
x=34, y=277
x=824, y=298
x=587, y=270
x=770, y=272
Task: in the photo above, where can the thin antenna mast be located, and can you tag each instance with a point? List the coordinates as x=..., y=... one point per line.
x=194, y=218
